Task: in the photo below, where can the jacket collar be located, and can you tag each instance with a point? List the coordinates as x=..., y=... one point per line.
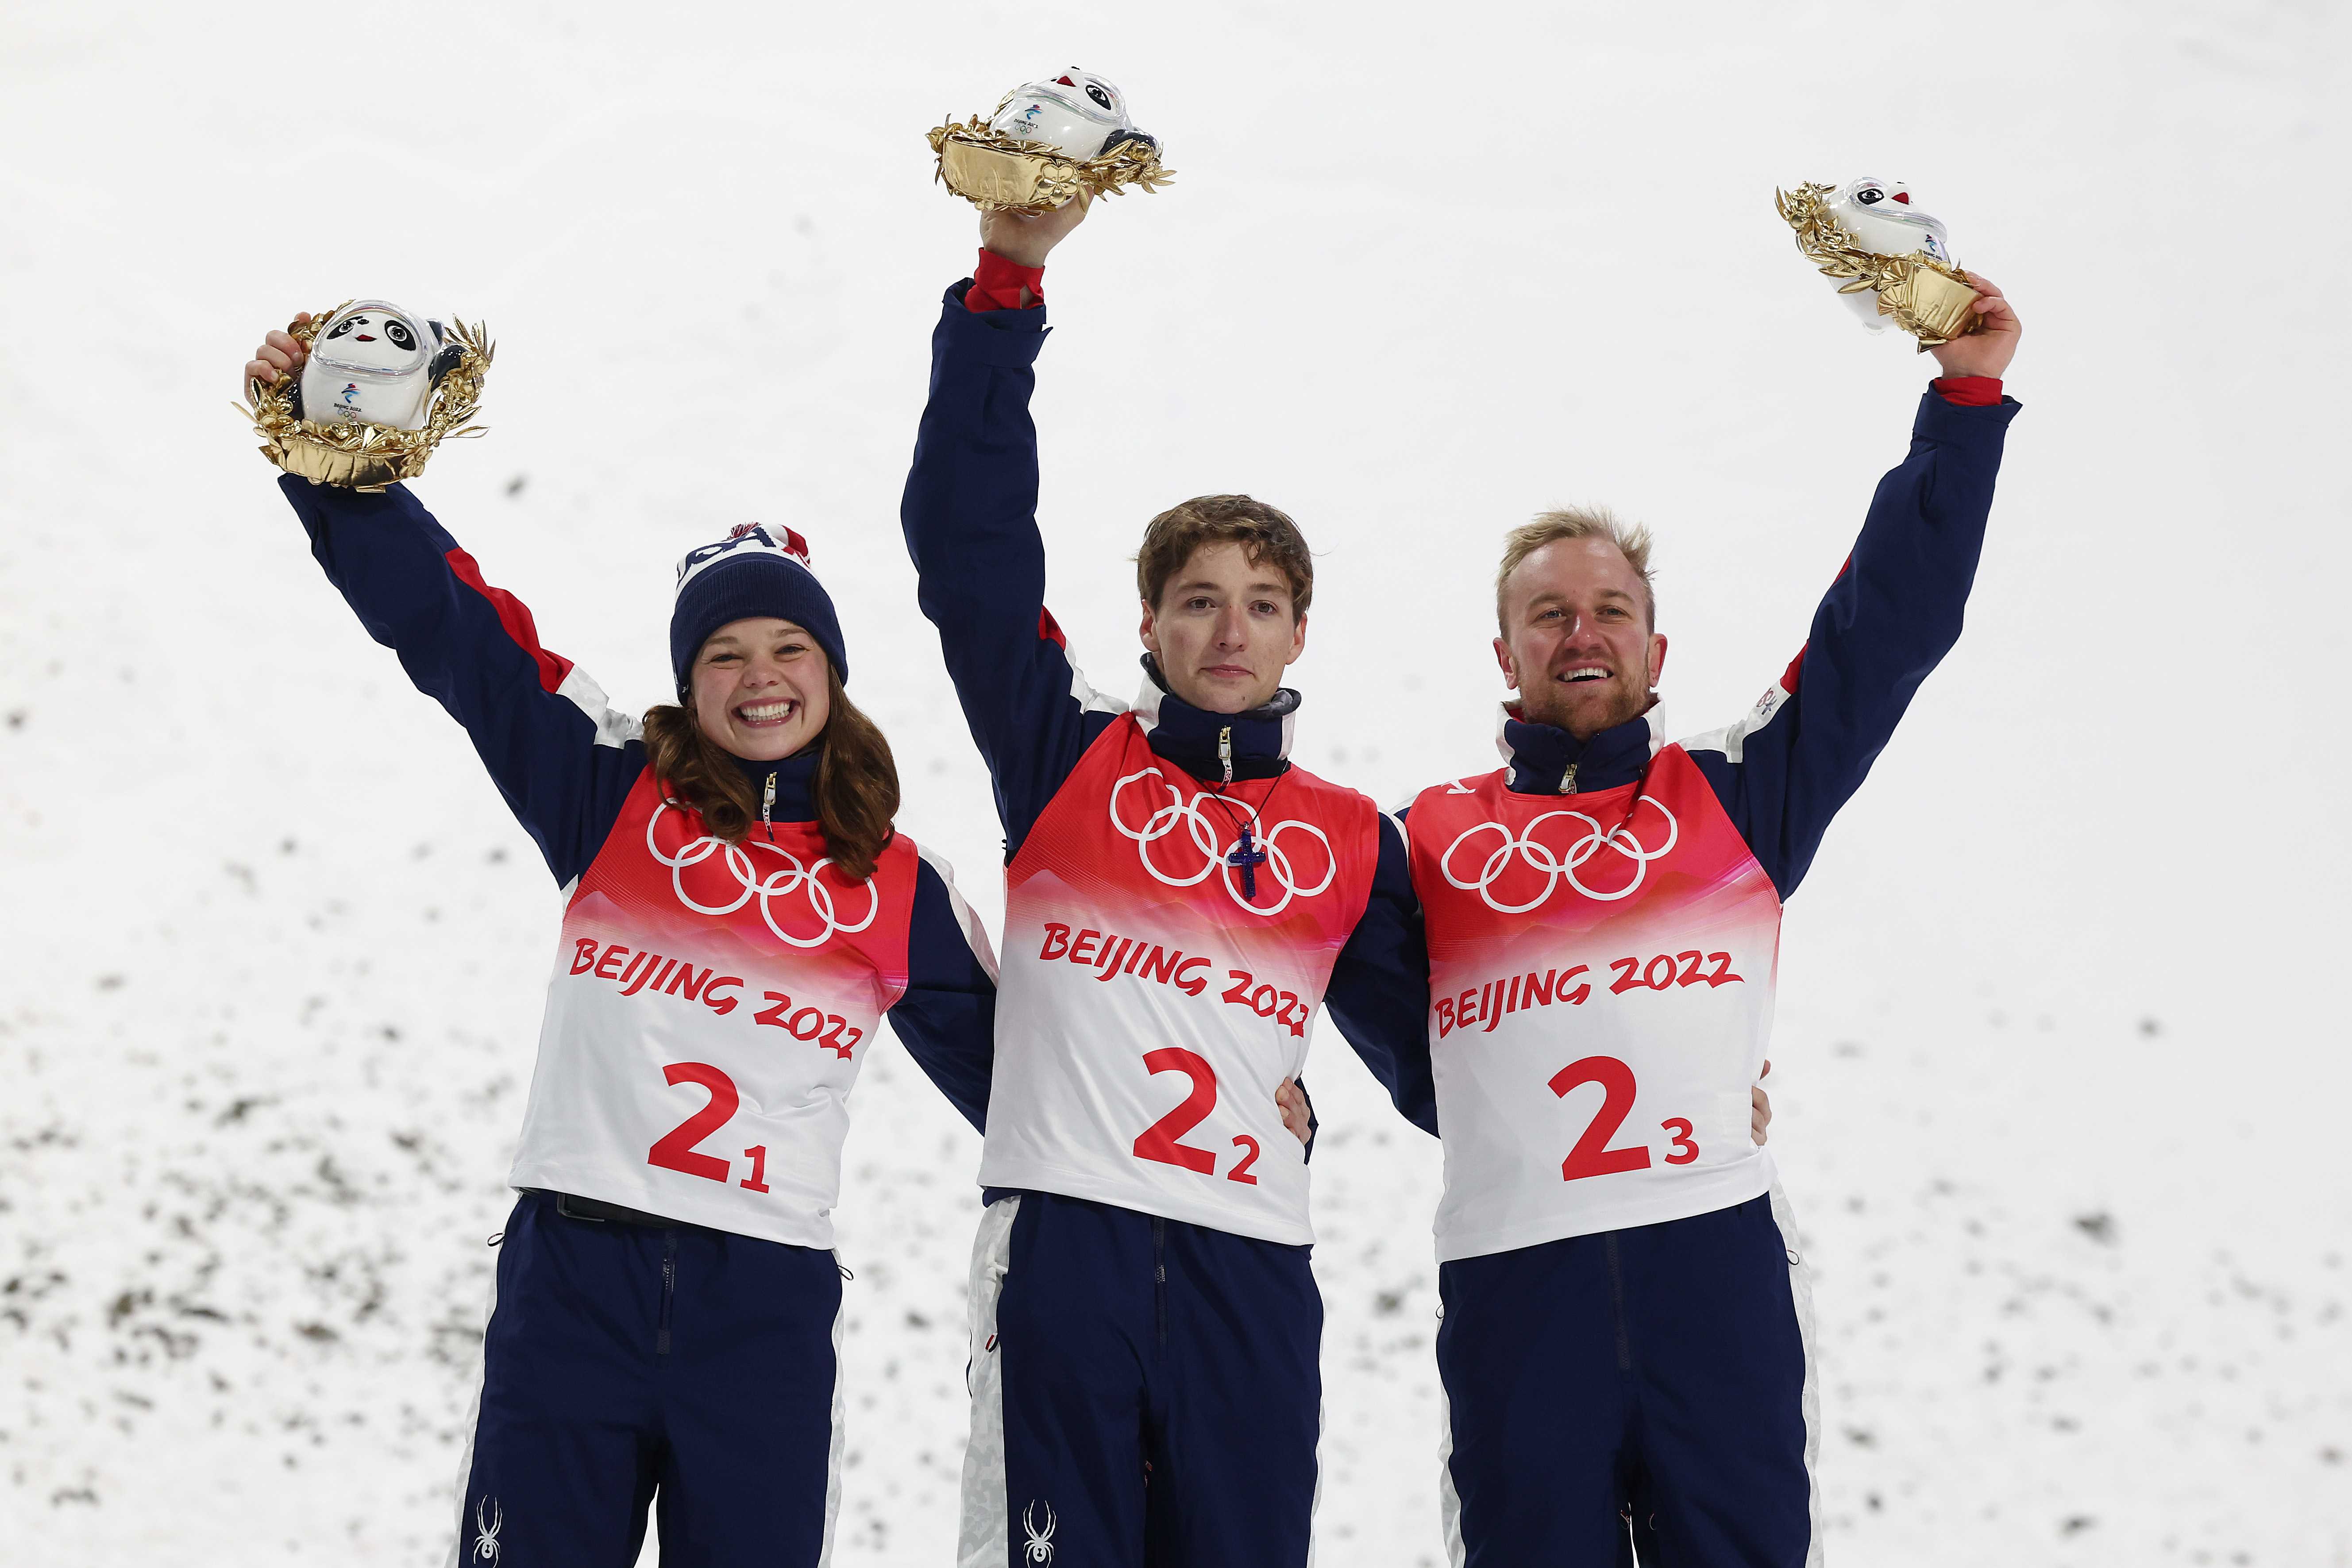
x=1258, y=742
x=795, y=784
x=1544, y=760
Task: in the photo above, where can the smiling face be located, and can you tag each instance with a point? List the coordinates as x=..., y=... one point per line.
x=375, y=337
x=1224, y=630
x=759, y=688
x=1577, y=640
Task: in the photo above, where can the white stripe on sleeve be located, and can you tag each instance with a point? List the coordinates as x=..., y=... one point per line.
x=975, y=934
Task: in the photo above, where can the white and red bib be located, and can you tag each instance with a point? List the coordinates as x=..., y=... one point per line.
x=1601, y=972
x=710, y=1008
x=1152, y=1002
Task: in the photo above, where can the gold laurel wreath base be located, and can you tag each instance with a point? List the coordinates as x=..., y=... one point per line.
x=1931, y=299
x=997, y=172
x=360, y=457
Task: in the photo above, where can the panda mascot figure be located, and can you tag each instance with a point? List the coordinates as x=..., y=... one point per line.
x=1060, y=137
x=1893, y=261
x=1076, y=113
x=375, y=363
x=380, y=388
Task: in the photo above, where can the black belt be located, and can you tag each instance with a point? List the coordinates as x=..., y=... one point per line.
x=597, y=1212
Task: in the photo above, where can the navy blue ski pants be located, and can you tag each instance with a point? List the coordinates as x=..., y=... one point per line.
x=628, y=1364
x=1657, y=1374
x=1145, y=1392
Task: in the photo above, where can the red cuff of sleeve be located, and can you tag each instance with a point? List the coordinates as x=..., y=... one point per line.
x=1968, y=391
x=996, y=285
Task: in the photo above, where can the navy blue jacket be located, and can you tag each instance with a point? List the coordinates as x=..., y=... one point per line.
x=970, y=519
x=1781, y=772
x=1892, y=612
x=566, y=763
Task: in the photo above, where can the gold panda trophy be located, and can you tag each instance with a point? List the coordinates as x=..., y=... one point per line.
x=1930, y=298
x=1034, y=160
x=363, y=457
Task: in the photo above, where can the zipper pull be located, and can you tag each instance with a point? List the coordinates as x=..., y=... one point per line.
x=1225, y=751
x=1567, y=780
x=767, y=806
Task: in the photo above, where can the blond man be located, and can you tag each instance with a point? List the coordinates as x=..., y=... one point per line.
x=1626, y=1331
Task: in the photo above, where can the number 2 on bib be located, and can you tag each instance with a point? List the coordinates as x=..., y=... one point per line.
x=676, y=1149
x=1592, y=1156
x=1159, y=1141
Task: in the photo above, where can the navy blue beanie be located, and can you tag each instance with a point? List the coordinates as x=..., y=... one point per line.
x=754, y=571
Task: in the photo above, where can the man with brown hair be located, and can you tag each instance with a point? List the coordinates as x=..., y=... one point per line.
x=1627, y=1323
x=1178, y=899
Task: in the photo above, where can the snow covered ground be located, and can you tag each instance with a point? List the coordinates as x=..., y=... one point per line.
x=2060, y=1071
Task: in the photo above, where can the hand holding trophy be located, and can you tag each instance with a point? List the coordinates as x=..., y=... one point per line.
x=378, y=388
x=1894, y=261
x=1050, y=141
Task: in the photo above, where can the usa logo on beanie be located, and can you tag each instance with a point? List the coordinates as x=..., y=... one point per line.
x=758, y=569
x=744, y=539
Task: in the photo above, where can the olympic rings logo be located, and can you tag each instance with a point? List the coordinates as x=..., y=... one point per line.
x=1205, y=838
x=1561, y=864
x=791, y=878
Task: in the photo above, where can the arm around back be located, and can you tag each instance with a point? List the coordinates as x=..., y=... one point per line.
x=1378, y=994
x=947, y=1019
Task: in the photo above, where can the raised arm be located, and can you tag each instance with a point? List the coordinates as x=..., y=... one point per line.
x=1892, y=612
x=563, y=760
x=947, y=1019
x=970, y=520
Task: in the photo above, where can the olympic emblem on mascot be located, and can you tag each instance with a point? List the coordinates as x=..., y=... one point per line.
x=1205, y=838
x=1560, y=865
x=791, y=878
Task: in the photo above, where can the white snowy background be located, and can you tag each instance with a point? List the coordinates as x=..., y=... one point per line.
x=2061, y=1065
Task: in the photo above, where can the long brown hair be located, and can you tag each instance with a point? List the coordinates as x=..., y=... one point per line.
x=857, y=785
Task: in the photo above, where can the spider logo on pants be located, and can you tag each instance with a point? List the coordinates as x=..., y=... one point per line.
x=1040, y=1547
x=488, y=1518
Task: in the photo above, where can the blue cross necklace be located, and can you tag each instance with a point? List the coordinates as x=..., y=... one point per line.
x=1249, y=858
x=1248, y=852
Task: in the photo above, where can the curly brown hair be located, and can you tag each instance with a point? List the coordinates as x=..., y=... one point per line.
x=1263, y=532
x=857, y=785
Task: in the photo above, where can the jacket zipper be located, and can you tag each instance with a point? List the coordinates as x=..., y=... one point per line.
x=1225, y=751
x=1567, y=780
x=767, y=806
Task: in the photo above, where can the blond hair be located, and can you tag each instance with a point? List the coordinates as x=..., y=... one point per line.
x=1633, y=541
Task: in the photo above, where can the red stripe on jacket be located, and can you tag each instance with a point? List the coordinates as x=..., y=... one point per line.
x=515, y=617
